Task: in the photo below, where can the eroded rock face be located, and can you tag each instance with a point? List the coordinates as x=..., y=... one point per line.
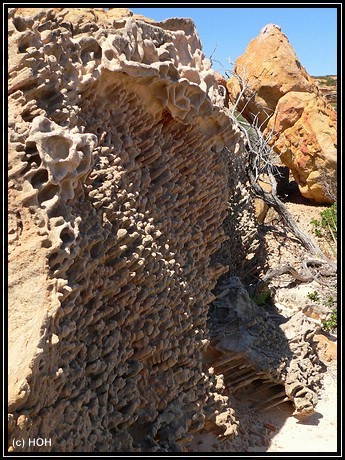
x=286, y=103
x=118, y=189
x=128, y=201
x=249, y=344
x=307, y=143
x=271, y=69
x=328, y=87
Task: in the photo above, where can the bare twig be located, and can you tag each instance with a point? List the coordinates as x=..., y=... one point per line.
x=260, y=163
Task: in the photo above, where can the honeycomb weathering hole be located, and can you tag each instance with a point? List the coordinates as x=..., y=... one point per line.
x=57, y=147
x=92, y=52
x=46, y=243
x=39, y=178
x=109, y=54
x=47, y=193
x=67, y=236
x=21, y=23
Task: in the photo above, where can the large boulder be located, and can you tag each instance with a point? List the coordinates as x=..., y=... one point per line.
x=270, y=68
x=275, y=92
x=306, y=138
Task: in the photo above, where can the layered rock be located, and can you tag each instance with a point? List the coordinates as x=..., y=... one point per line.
x=251, y=345
x=118, y=186
x=285, y=102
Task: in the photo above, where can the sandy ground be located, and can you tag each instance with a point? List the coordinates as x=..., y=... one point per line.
x=317, y=433
x=277, y=430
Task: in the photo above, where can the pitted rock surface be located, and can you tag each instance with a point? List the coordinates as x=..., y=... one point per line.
x=251, y=344
x=128, y=201
x=117, y=196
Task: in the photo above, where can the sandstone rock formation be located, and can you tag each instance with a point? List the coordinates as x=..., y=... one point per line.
x=117, y=194
x=127, y=202
x=328, y=86
x=306, y=139
x=328, y=349
x=248, y=344
x=285, y=101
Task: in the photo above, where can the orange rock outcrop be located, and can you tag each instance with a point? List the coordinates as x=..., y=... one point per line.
x=285, y=102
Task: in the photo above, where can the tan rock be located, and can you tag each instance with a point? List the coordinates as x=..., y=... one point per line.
x=34, y=12
x=315, y=311
x=261, y=208
x=328, y=87
x=220, y=79
x=222, y=82
x=270, y=68
x=80, y=17
x=118, y=190
x=288, y=103
x=243, y=360
x=140, y=17
x=327, y=348
x=125, y=180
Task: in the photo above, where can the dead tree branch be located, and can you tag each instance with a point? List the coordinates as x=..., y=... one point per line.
x=259, y=164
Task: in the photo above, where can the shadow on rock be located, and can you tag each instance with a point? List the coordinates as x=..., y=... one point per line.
x=265, y=360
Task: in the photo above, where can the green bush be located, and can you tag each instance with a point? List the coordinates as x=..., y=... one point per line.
x=330, y=324
x=327, y=80
x=314, y=296
x=326, y=226
x=262, y=298
x=330, y=82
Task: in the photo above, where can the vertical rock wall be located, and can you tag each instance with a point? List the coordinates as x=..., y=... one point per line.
x=117, y=193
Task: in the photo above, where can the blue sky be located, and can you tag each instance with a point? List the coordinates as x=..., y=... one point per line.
x=312, y=31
